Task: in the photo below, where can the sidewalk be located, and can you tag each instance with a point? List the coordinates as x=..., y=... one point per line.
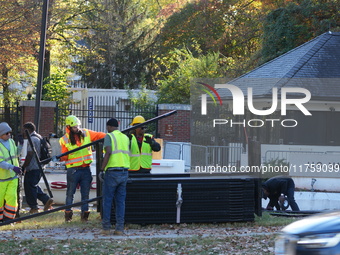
x=147, y=233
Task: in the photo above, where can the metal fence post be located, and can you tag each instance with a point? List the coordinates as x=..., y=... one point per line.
x=156, y=113
x=254, y=159
x=56, y=110
x=99, y=158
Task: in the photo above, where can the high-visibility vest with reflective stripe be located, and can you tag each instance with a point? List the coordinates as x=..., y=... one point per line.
x=10, y=157
x=120, y=154
x=80, y=157
x=140, y=158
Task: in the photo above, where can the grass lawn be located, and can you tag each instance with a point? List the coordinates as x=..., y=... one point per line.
x=224, y=238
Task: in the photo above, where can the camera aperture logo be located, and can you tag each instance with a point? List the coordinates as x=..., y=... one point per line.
x=204, y=97
x=238, y=102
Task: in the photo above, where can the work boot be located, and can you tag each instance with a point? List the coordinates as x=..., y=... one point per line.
x=33, y=211
x=105, y=232
x=84, y=216
x=68, y=216
x=48, y=204
x=118, y=233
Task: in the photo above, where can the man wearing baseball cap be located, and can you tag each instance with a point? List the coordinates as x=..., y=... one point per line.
x=115, y=165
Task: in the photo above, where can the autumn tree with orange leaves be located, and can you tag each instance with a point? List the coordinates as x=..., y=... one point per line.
x=18, y=40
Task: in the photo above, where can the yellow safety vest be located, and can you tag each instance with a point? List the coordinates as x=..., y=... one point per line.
x=120, y=154
x=140, y=158
x=10, y=157
x=80, y=157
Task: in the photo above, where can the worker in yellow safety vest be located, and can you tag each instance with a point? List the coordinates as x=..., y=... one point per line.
x=142, y=145
x=9, y=171
x=78, y=163
x=115, y=165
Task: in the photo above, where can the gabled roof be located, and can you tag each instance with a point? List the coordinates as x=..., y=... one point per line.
x=315, y=65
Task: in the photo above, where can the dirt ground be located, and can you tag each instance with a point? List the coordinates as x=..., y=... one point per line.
x=167, y=232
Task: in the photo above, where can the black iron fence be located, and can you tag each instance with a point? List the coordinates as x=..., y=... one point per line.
x=12, y=115
x=95, y=112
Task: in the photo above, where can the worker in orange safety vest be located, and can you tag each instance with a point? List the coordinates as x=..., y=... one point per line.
x=78, y=163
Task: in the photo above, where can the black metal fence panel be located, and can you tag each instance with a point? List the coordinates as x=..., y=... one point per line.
x=94, y=112
x=12, y=115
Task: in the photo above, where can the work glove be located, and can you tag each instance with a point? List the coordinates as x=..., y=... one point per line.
x=281, y=199
x=55, y=159
x=20, y=139
x=101, y=176
x=148, y=140
x=17, y=170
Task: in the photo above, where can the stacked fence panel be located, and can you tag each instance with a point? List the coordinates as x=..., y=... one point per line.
x=152, y=200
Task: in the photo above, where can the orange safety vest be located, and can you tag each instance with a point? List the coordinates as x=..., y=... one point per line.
x=80, y=157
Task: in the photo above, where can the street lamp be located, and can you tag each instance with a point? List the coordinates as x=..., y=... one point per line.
x=29, y=91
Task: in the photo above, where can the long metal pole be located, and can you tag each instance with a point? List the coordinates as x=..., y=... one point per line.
x=41, y=63
x=7, y=222
x=84, y=146
x=123, y=131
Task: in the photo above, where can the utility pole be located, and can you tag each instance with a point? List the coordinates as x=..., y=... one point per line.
x=41, y=63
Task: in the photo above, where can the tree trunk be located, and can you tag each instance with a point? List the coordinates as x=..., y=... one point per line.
x=6, y=95
x=47, y=70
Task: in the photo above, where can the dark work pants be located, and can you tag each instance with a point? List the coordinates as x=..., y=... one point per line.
x=290, y=196
x=32, y=189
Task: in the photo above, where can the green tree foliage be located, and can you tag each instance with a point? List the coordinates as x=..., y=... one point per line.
x=288, y=27
x=142, y=100
x=145, y=104
x=156, y=43
x=57, y=90
x=66, y=31
x=230, y=27
x=118, y=45
x=176, y=87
